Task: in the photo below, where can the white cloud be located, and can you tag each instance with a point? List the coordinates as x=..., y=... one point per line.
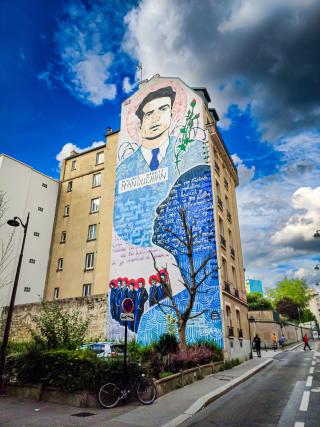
x=127, y=86
x=90, y=76
x=300, y=227
x=67, y=149
x=245, y=174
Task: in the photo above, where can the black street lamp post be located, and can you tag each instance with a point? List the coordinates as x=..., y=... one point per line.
x=251, y=320
x=15, y=222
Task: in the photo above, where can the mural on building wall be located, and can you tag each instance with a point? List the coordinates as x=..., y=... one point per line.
x=162, y=167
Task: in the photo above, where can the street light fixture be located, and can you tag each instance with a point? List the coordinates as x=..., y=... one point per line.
x=317, y=234
x=251, y=320
x=317, y=267
x=15, y=222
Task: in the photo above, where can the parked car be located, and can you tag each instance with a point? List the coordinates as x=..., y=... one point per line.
x=105, y=349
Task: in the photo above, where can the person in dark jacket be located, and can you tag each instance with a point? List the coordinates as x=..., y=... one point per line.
x=257, y=342
x=132, y=294
x=153, y=299
x=113, y=296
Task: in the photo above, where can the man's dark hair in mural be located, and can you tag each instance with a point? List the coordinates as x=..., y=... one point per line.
x=188, y=234
x=160, y=93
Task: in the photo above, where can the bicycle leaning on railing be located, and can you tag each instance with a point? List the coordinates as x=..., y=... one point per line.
x=110, y=394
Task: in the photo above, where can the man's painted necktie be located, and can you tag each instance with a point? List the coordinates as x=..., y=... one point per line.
x=154, y=160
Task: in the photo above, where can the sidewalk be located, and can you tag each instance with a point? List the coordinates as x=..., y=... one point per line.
x=169, y=410
x=270, y=353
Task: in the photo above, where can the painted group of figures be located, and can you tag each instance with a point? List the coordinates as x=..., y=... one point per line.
x=122, y=288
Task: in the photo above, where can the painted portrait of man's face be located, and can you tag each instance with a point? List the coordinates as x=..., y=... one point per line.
x=156, y=118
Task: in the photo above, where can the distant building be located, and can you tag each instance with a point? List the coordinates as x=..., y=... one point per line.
x=26, y=190
x=314, y=305
x=254, y=285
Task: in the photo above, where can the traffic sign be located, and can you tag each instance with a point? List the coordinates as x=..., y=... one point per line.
x=127, y=305
x=127, y=317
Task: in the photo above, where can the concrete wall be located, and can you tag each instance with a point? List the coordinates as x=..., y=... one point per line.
x=265, y=325
x=94, y=308
x=25, y=192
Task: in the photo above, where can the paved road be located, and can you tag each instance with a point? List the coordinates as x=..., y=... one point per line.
x=285, y=394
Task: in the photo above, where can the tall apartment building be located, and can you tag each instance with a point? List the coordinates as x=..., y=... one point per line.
x=82, y=239
x=26, y=190
x=81, y=242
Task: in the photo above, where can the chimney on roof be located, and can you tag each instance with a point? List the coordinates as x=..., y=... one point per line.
x=73, y=153
x=108, y=131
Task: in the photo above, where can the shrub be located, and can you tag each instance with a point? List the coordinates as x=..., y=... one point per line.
x=191, y=357
x=167, y=343
x=229, y=364
x=69, y=370
x=56, y=328
x=165, y=374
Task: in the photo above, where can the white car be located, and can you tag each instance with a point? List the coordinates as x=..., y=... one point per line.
x=105, y=349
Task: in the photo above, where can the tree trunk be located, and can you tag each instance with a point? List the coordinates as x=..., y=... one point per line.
x=182, y=336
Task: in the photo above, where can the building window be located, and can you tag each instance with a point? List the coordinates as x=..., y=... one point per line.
x=60, y=264
x=99, y=158
x=96, y=180
x=66, y=210
x=44, y=185
x=95, y=205
x=92, y=231
x=73, y=165
x=63, y=237
x=224, y=270
x=234, y=277
x=89, y=261
x=26, y=289
x=40, y=209
x=56, y=293
x=36, y=234
x=226, y=185
x=69, y=186
x=86, y=290
x=32, y=261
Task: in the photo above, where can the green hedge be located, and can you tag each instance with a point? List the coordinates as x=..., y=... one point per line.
x=69, y=370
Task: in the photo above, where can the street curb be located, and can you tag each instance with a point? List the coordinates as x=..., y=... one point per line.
x=205, y=400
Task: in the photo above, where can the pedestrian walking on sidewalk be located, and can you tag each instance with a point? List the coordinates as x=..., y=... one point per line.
x=306, y=342
x=282, y=340
x=274, y=342
x=257, y=342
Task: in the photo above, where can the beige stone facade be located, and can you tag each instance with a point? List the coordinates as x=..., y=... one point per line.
x=85, y=178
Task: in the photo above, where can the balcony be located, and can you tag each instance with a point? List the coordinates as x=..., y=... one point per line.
x=236, y=293
x=226, y=185
x=229, y=216
x=227, y=287
x=230, y=331
x=217, y=168
x=220, y=204
x=232, y=252
x=223, y=242
x=240, y=333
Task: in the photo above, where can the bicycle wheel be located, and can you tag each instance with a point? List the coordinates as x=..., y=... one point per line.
x=109, y=395
x=146, y=391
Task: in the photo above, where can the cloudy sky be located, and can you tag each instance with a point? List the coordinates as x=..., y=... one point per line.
x=68, y=65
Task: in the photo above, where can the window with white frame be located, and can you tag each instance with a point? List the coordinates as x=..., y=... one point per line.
x=32, y=261
x=26, y=289
x=73, y=165
x=44, y=185
x=55, y=293
x=99, y=157
x=96, y=180
x=36, y=234
x=92, y=231
x=40, y=208
x=69, y=186
x=66, y=210
x=63, y=237
x=86, y=290
x=60, y=264
x=89, y=261
x=95, y=203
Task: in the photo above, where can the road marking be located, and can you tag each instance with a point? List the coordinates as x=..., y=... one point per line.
x=298, y=424
x=313, y=363
x=309, y=381
x=311, y=371
x=305, y=401
x=316, y=390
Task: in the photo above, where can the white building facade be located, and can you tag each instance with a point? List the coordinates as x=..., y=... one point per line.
x=25, y=190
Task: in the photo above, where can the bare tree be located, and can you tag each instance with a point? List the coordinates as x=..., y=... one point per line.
x=6, y=244
x=194, y=276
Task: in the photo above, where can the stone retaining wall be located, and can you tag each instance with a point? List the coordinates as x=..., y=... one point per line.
x=94, y=308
